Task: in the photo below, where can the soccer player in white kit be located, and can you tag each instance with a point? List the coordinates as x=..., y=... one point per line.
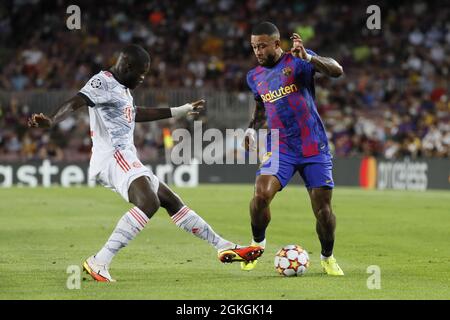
x=114, y=162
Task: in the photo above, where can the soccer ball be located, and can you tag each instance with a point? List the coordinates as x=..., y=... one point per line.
x=291, y=260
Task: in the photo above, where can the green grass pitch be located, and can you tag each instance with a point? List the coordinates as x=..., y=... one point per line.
x=406, y=234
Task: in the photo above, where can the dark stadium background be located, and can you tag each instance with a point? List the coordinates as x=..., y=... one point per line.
x=392, y=104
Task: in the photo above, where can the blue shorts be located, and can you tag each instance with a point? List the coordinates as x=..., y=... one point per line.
x=316, y=171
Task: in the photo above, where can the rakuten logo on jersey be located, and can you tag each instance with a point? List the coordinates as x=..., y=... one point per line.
x=282, y=92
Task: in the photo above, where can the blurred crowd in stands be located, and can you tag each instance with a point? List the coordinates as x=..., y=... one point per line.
x=393, y=100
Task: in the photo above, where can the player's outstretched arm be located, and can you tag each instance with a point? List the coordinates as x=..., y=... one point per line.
x=327, y=66
x=59, y=114
x=152, y=114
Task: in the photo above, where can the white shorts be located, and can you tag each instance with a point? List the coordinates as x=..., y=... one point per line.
x=121, y=169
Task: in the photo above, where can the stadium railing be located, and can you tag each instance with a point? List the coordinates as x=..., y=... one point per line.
x=223, y=109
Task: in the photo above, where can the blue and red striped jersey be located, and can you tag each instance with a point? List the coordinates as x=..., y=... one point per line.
x=287, y=90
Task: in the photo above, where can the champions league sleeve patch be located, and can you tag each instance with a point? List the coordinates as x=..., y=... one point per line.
x=96, y=83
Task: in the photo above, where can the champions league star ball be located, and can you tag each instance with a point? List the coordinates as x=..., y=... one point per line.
x=291, y=260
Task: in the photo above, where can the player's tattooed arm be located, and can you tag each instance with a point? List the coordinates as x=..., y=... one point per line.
x=153, y=114
x=259, y=116
x=59, y=114
x=325, y=65
x=257, y=122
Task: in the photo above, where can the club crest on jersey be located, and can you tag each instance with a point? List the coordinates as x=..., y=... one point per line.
x=287, y=71
x=137, y=164
x=96, y=83
x=107, y=73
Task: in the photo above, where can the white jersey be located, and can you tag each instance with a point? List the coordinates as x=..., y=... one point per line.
x=111, y=115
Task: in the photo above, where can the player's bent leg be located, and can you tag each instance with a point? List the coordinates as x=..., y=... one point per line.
x=129, y=226
x=325, y=227
x=266, y=186
x=168, y=199
x=142, y=195
x=325, y=219
x=187, y=219
x=191, y=222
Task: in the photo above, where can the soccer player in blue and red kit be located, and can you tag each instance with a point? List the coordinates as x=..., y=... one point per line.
x=283, y=87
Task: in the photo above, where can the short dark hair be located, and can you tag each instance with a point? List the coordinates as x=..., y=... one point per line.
x=267, y=28
x=136, y=53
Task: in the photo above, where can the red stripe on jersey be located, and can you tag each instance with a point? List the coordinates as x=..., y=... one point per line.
x=119, y=162
x=123, y=159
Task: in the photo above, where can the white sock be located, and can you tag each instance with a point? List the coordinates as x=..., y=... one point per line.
x=191, y=222
x=261, y=244
x=322, y=257
x=126, y=230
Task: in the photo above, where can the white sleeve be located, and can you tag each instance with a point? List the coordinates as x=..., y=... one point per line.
x=95, y=91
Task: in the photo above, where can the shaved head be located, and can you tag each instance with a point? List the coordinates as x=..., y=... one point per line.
x=266, y=28
x=132, y=66
x=136, y=54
